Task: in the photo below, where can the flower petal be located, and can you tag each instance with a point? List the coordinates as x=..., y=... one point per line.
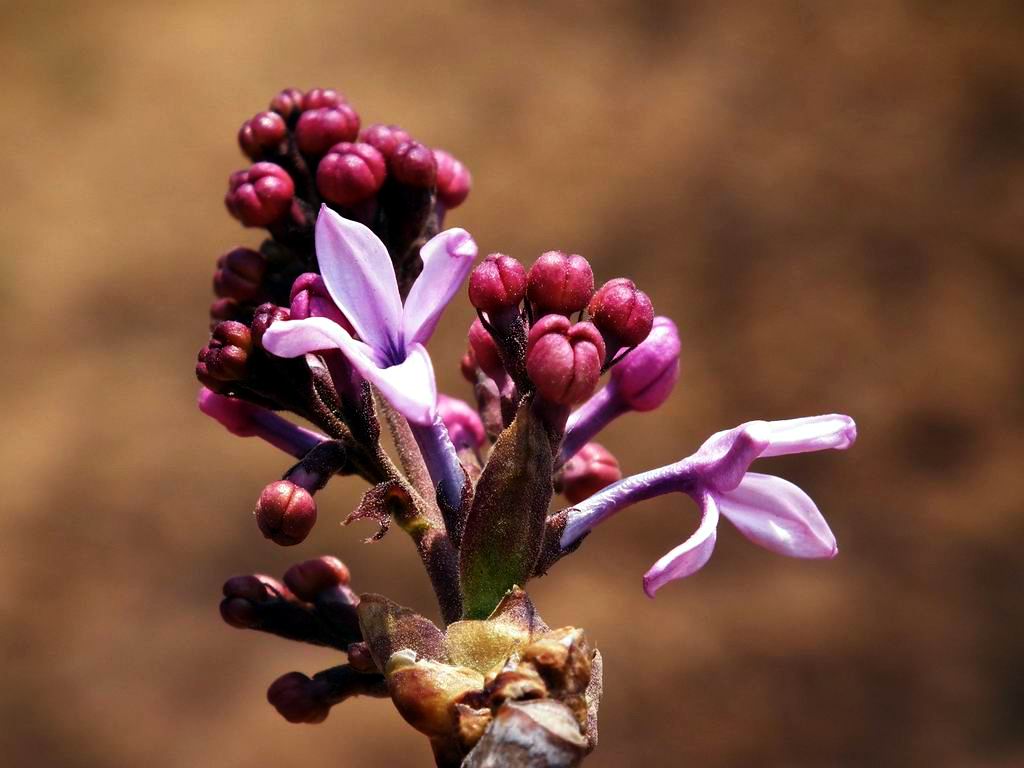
x=690, y=556
x=447, y=259
x=409, y=386
x=812, y=433
x=777, y=515
x=358, y=273
x=295, y=338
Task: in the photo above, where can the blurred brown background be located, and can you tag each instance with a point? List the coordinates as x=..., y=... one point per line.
x=827, y=197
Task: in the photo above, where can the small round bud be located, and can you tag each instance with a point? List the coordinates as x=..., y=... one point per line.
x=564, y=361
x=463, y=423
x=384, y=138
x=622, y=312
x=310, y=577
x=317, y=98
x=453, y=179
x=263, y=317
x=590, y=470
x=261, y=134
x=644, y=379
x=360, y=658
x=350, y=173
x=287, y=103
x=239, y=274
x=295, y=698
x=320, y=129
x=285, y=513
x=498, y=282
x=413, y=164
x=485, y=350
x=260, y=195
x=225, y=356
x=309, y=298
x=560, y=283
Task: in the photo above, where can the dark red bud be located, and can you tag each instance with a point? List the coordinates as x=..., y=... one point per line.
x=239, y=275
x=413, y=164
x=485, y=350
x=384, y=138
x=498, y=282
x=360, y=658
x=287, y=103
x=317, y=98
x=350, y=173
x=224, y=309
x=560, y=282
x=453, y=179
x=241, y=593
x=285, y=513
x=622, y=312
x=590, y=470
x=320, y=129
x=310, y=577
x=564, y=361
x=265, y=315
x=295, y=698
x=225, y=356
x=260, y=195
x=467, y=366
x=261, y=134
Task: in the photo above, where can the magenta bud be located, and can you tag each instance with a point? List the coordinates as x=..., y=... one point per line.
x=563, y=360
x=264, y=132
x=350, y=173
x=239, y=275
x=287, y=103
x=463, y=423
x=453, y=179
x=622, y=312
x=237, y=416
x=384, y=138
x=590, y=470
x=644, y=379
x=412, y=163
x=320, y=129
x=309, y=298
x=498, y=282
x=285, y=513
x=560, y=283
x=318, y=98
x=311, y=577
x=265, y=315
x=485, y=350
x=295, y=698
x=260, y=195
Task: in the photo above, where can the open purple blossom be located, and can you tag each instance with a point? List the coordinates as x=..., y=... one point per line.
x=360, y=277
x=772, y=512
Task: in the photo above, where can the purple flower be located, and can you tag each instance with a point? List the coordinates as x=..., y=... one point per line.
x=772, y=512
x=359, y=276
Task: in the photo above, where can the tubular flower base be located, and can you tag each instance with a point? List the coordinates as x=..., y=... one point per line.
x=328, y=322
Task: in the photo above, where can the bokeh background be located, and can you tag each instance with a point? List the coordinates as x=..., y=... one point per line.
x=827, y=197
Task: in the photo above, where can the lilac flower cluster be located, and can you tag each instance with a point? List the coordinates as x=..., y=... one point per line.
x=329, y=320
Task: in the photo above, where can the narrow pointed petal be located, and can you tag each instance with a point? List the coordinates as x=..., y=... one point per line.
x=447, y=260
x=777, y=515
x=812, y=433
x=410, y=386
x=358, y=273
x=294, y=338
x=690, y=556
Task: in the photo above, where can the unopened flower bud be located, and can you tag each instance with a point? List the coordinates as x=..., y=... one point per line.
x=485, y=350
x=265, y=315
x=239, y=274
x=309, y=298
x=295, y=697
x=467, y=366
x=317, y=98
x=384, y=138
x=224, y=309
x=242, y=593
x=644, y=379
x=260, y=195
x=498, y=282
x=285, y=513
x=310, y=577
x=320, y=129
x=287, y=103
x=563, y=360
x=462, y=422
x=453, y=179
x=261, y=134
x=413, y=164
x=560, y=283
x=622, y=312
x=225, y=356
x=350, y=173
x=590, y=470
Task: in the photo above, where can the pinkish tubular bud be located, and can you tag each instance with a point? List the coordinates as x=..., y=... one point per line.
x=239, y=275
x=310, y=298
x=498, y=282
x=318, y=98
x=485, y=351
x=644, y=379
x=320, y=129
x=385, y=138
x=287, y=103
x=560, y=283
x=413, y=164
x=294, y=697
x=564, y=361
x=590, y=470
x=261, y=134
x=622, y=312
x=311, y=577
x=263, y=317
x=462, y=422
x=285, y=513
x=350, y=173
x=453, y=179
x=260, y=195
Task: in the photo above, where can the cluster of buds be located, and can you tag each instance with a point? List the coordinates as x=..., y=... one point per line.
x=328, y=320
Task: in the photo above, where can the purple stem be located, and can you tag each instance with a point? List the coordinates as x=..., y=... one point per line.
x=442, y=461
x=587, y=421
